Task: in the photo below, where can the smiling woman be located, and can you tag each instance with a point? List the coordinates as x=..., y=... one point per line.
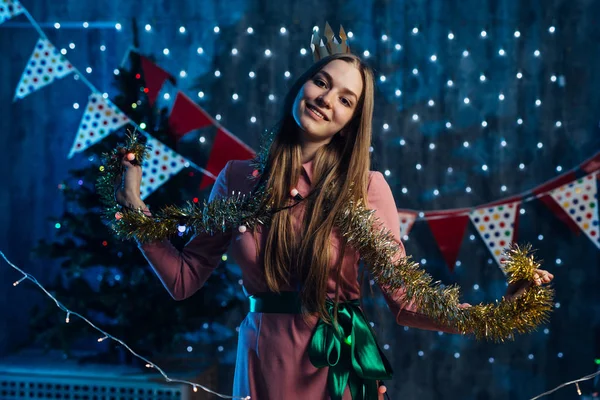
x=327, y=102
x=306, y=336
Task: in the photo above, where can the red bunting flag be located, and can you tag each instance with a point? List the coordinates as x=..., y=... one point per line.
x=187, y=116
x=154, y=78
x=448, y=228
x=225, y=147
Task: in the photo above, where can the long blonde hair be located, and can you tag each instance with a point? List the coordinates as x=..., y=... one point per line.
x=305, y=262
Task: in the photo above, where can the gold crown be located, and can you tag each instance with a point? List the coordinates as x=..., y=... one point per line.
x=322, y=49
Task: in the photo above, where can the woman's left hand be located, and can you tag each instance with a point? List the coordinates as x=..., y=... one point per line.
x=541, y=277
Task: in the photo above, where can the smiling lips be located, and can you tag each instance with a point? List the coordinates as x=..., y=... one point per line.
x=316, y=112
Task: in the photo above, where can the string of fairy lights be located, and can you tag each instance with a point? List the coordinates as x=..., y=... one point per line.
x=106, y=336
x=467, y=101
x=415, y=32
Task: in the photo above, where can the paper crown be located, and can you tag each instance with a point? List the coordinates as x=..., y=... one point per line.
x=321, y=49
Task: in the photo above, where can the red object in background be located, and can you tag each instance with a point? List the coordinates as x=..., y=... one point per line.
x=225, y=147
x=448, y=230
x=187, y=116
x=154, y=78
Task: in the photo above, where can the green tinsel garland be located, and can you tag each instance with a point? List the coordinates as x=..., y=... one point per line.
x=496, y=321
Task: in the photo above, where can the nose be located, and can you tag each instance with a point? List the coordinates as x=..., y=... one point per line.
x=323, y=100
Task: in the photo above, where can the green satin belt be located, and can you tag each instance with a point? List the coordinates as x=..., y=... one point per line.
x=350, y=351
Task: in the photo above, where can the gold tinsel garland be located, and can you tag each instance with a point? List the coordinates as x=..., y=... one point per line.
x=496, y=321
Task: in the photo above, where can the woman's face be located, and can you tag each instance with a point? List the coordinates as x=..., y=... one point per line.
x=327, y=101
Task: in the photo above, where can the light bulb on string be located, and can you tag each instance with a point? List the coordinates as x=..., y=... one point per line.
x=67, y=319
x=384, y=38
x=148, y=27
x=216, y=29
x=501, y=52
x=182, y=29
x=398, y=47
x=102, y=339
x=20, y=280
x=366, y=53
x=450, y=36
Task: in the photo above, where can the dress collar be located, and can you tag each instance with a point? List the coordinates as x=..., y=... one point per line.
x=307, y=166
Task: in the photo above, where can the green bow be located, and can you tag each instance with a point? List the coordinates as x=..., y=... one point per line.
x=351, y=353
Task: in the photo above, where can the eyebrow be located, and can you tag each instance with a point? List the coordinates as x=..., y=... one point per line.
x=344, y=89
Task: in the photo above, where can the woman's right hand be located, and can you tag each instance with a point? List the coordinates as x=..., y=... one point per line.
x=127, y=186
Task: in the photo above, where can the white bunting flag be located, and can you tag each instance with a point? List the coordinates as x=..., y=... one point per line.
x=9, y=9
x=496, y=225
x=162, y=164
x=579, y=199
x=44, y=66
x=407, y=220
x=100, y=118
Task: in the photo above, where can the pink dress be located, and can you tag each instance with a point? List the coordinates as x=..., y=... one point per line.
x=272, y=357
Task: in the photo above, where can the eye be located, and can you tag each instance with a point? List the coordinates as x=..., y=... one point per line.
x=320, y=82
x=346, y=102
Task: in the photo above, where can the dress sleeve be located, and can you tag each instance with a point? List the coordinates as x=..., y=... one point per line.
x=381, y=200
x=184, y=272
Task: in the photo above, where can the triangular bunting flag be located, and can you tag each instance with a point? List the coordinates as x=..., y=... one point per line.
x=44, y=66
x=100, y=119
x=154, y=78
x=187, y=116
x=407, y=219
x=546, y=188
x=9, y=9
x=496, y=225
x=579, y=199
x=225, y=147
x=162, y=164
x=448, y=228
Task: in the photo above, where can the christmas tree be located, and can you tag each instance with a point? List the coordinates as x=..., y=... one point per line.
x=109, y=281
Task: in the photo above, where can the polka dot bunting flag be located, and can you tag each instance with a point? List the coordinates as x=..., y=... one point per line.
x=579, y=199
x=407, y=219
x=496, y=225
x=9, y=9
x=100, y=119
x=44, y=66
x=162, y=165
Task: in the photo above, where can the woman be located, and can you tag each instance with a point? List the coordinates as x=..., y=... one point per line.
x=298, y=272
